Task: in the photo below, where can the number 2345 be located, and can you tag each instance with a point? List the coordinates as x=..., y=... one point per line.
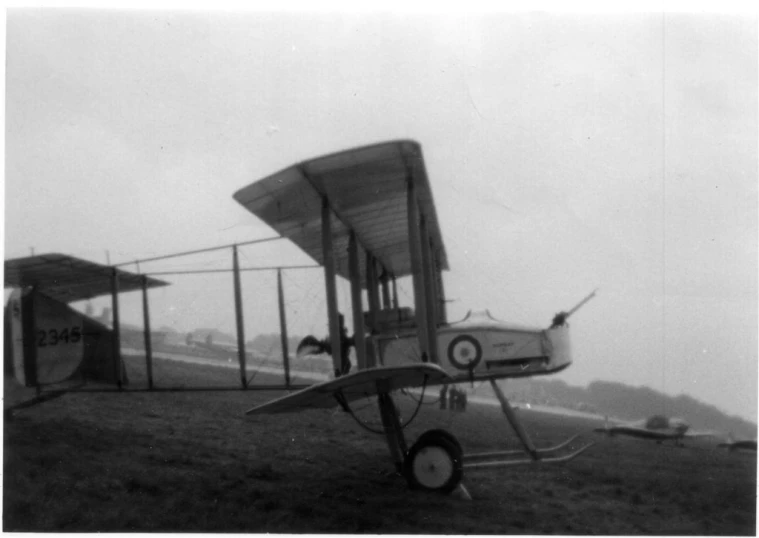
x=53, y=337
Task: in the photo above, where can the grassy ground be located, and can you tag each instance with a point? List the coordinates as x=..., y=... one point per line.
x=193, y=462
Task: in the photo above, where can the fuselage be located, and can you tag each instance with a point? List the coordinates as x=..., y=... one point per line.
x=480, y=347
x=657, y=427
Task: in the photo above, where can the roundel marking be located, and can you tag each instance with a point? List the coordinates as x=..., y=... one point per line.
x=464, y=352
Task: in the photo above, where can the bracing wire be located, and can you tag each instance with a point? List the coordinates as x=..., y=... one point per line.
x=368, y=428
x=419, y=405
x=361, y=423
x=242, y=270
x=261, y=365
x=420, y=400
x=367, y=404
x=198, y=251
x=310, y=296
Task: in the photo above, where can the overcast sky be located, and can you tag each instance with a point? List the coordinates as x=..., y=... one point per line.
x=566, y=152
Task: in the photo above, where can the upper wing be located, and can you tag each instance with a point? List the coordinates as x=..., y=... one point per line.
x=354, y=386
x=366, y=189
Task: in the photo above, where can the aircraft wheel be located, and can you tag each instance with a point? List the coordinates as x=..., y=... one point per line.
x=444, y=433
x=434, y=464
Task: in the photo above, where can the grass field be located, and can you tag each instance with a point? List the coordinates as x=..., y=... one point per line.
x=193, y=462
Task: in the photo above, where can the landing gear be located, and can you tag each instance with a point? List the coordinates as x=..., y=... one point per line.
x=434, y=463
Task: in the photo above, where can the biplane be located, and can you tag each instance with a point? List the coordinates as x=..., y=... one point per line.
x=740, y=445
x=367, y=215
x=658, y=428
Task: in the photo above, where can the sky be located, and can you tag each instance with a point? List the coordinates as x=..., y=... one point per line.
x=566, y=152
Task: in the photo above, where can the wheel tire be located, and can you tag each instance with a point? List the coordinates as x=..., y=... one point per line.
x=444, y=433
x=434, y=464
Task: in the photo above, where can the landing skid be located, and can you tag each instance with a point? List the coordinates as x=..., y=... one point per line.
x=481, y=460
x=436, y=461
x=512, y=458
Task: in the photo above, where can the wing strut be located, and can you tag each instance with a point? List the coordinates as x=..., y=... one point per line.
x=239, y=317
x=329, y=280
x=396, y=441
x=283, y=327
x=116, y=325
x=418, y=276
x=146, y=332
x=428, y=290
x=514, y=421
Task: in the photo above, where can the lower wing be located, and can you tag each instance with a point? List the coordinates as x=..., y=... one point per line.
x=361, y=384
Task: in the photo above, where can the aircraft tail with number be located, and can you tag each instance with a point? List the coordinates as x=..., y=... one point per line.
x=49, y=343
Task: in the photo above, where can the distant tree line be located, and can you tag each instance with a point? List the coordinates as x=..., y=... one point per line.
x=627, y=402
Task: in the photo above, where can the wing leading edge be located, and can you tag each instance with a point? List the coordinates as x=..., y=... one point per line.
x=361, y=384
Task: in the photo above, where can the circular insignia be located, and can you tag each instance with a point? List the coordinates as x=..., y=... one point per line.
x=464, y=352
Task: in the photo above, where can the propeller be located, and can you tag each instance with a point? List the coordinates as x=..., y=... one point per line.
x=311, y=345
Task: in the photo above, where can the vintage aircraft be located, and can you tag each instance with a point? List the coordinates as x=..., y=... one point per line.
x=213, y=341
x=367, y=214
x=657, y=428
x=747, y=445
